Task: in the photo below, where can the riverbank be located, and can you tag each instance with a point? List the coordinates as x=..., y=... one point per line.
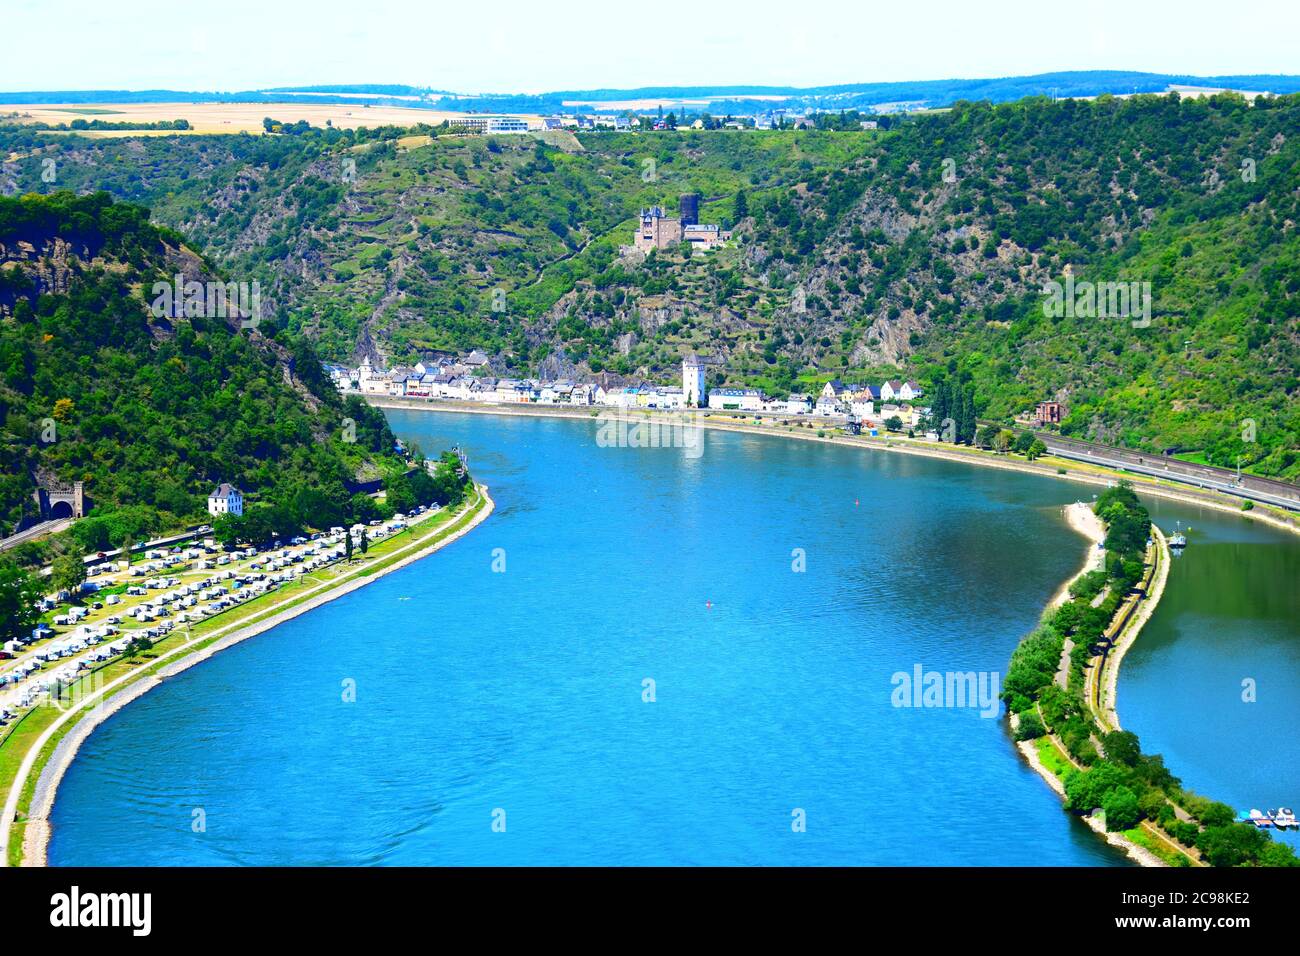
x=1109, y=677
x=1081, y=518
x=1138, y=854
x=807, y=430
x=50, y=755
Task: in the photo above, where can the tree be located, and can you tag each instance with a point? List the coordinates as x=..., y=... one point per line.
x=399, y=493
x=1154, y=806
x=1216, y=814
x=138, y=645
x=741, y=205
x=1278, y=854
x=1121, y=809
x=966, y=423
x=68, y=572
x=19, y=592
x=365, y=541
x=363, y=508
x=1030, y=726
x=1233, y=845
x=1036, y=449
x=894, y=424
x=228, y=529
x=347, y=545
x=1086, y=790
x=1122, y=746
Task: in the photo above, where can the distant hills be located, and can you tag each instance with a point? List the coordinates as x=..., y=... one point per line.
x=919, y=249
x=719, y=100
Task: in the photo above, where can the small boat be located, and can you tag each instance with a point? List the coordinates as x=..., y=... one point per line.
x=1260, y=820
x=1177, y=539
x=1285, y=817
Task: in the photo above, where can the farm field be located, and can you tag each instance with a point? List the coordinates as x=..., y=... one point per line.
x=229, y=117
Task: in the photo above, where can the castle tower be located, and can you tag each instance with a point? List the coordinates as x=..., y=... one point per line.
x=693, y=389
x=689, y=209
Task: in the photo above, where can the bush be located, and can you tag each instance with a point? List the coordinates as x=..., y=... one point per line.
x=1236, y=844
x=1031, y=728
x=1121, y=808
x=1216, y=814
x=1086, y=790
x=1033, y=664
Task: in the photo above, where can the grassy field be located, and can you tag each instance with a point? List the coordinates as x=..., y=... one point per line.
x=235, y=117
x=1148, y=841
x=1051, y=757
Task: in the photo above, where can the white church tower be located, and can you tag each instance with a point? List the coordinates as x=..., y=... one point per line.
x=693, y=390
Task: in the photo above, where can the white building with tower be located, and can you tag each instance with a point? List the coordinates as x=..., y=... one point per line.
x=694, y=392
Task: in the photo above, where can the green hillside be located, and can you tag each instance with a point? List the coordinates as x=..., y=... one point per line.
x=919, y=251
x=150, y=410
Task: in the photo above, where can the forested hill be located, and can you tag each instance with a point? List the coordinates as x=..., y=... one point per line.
x=149, y=408
x=920, y=251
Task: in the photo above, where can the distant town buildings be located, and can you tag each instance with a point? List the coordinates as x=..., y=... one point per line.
x=580, y=121
x=492, y=124
x=467, y=379
x=225, y=499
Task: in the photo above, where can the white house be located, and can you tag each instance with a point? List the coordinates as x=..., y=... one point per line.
x=862, y=405
x=900, y=391
x=666, y=396
x=620, y=397
x=555, y=393
x=828, y=407
x=225, y=499
x=398, y=380
x=740, y=399
x=511, y=391
x=798, y=404
x=834, y=389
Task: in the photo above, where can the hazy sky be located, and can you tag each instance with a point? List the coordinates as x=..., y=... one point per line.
x=535, y=45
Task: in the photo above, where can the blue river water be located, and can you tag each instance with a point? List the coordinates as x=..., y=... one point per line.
x=770, y=590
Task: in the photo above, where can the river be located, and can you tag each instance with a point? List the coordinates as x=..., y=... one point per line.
x=764, y=592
